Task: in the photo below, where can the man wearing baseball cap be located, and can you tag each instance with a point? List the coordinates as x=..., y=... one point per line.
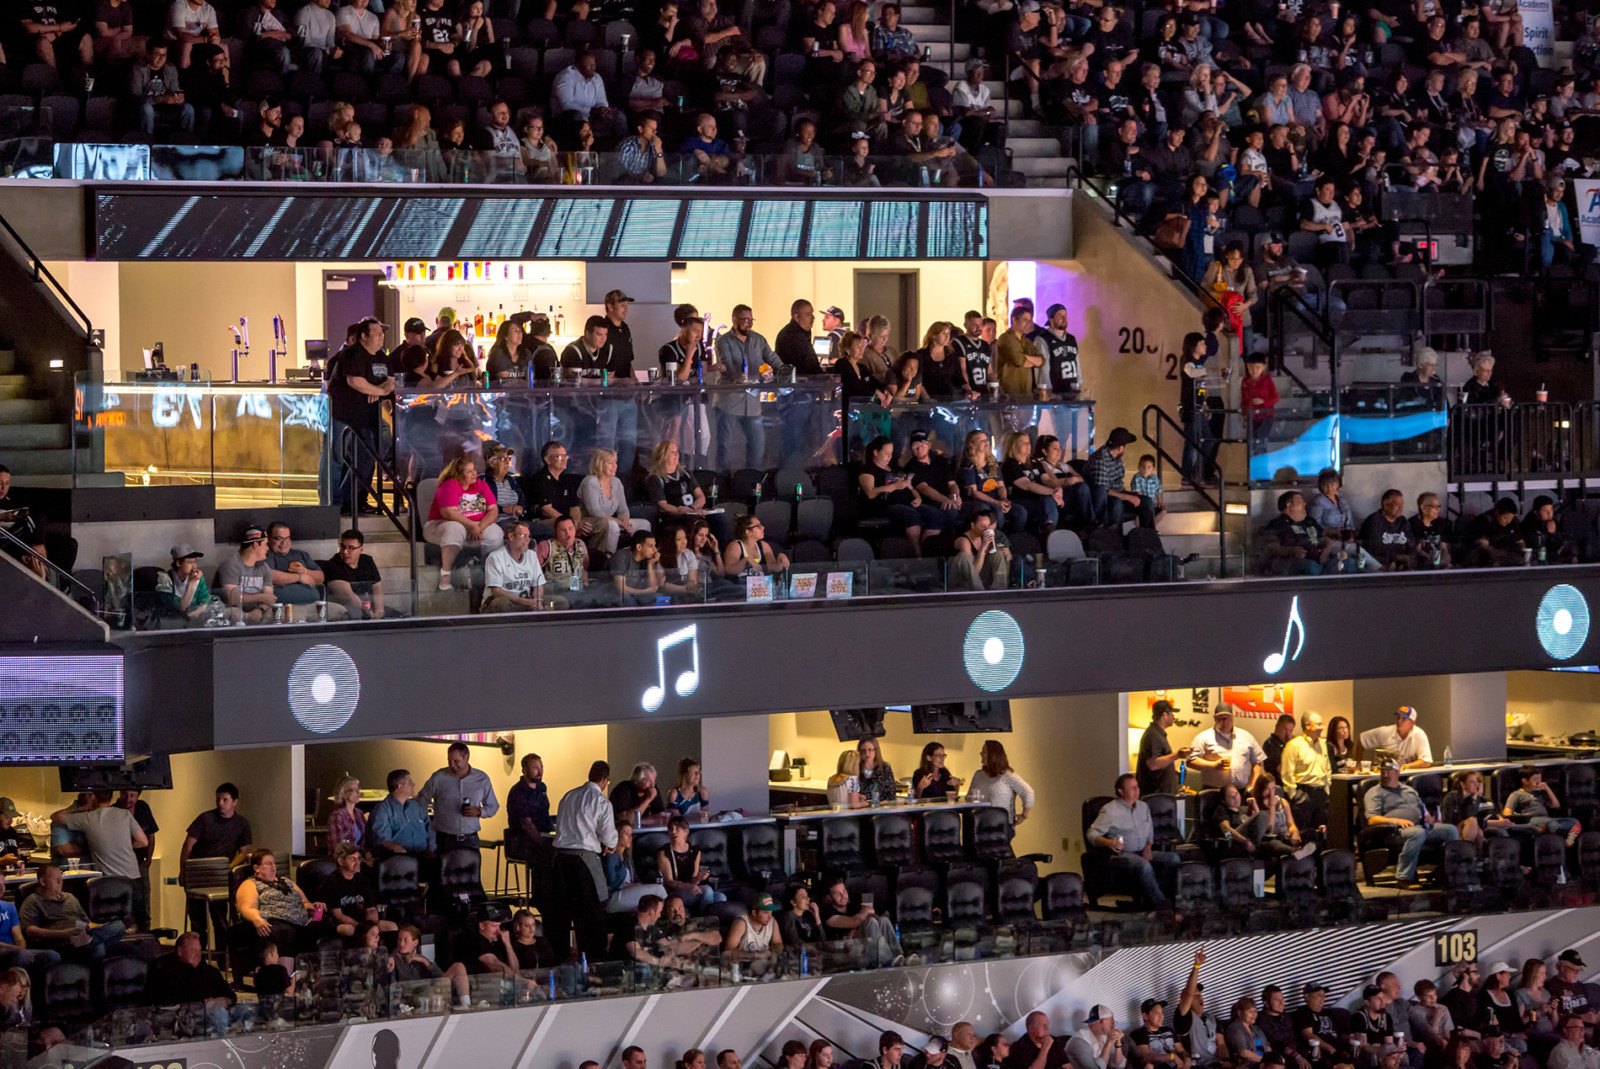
x=1405, y=739
x=834, y=325
x=16, y=841
x=1060, y=352
x=245, y=580
x=1157, y=765
x=412, y=356
x=756, y=935
x=182, y=588
x=1396, y=805
x=1153, y=1041
x=1566, y=986
x=1098, y=1044
x=1224, y=753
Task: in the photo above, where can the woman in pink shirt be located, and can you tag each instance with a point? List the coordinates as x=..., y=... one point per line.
x=463, y=511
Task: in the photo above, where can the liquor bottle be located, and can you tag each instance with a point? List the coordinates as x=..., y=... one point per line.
x=477, y=323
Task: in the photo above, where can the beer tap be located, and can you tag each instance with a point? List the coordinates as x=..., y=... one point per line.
x=238, y=343
x=280, y=347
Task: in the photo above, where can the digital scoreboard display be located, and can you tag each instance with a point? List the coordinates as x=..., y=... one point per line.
x=60, y=707
x=217, y=224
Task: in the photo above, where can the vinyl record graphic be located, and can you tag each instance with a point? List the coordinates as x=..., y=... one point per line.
x=1562, y=622
x=993, y=650
x=324, y=689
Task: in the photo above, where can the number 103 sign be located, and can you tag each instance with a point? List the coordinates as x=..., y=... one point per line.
x=1455, y=948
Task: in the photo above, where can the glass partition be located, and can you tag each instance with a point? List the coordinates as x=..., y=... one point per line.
x=726, y=427
x=41, y=157
x=949, y=422
x=1388, y=421
x=345, y=987
x=258, y=443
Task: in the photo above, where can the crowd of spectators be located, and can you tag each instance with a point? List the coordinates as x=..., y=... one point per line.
x=1322, y=537
x=842, y=94
x=1296, y=119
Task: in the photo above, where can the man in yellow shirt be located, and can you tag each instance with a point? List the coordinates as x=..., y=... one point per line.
x=1017, y=355
x=1306, y=775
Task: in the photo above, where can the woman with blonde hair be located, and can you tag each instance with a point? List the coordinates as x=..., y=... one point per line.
x=397, y=25
x=844, y=786
x=463, y=511
x=674, y=492
x=690, y=793
x=416, y=146
x=998, y=784
x=878, y=359
x=605, y=506
x=982, y=487
x=347, y=824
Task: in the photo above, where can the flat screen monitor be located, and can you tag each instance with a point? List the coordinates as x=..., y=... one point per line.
x=853, y=724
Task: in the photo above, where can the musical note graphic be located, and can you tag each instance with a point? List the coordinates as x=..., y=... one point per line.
x=1275, y=661
x=686, y=682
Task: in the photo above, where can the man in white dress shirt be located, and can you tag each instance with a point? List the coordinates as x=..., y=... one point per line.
x=1225, y=753
x=585, y=829
x=1408, y=742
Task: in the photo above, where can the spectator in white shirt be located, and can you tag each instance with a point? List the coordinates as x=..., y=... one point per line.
x=974, y=105
x=317, y=30
x=585, y=828
x=997, y=784
x=1224, y=753
x=512, y=578
x=192, y=22
x=579, y=95
x=1408, y=742
x=361, y=35
x=1573, y=1052
x=267, y=35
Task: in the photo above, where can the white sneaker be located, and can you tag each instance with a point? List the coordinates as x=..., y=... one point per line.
x=1305, y=851
x=444, y=581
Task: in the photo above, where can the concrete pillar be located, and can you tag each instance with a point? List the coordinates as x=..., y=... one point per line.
x=1069, y=749
x=733, y=761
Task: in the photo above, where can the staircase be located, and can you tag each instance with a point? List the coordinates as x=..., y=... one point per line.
x=33, y=445
x=50, y=344
x=1035, y=148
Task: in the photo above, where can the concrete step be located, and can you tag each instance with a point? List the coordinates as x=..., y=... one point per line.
x=1026, y=127
x=932, y=33
x=387, y=554
x=943, y=52
x=33, y=436
x=8, y=361
x=1033, y=147
x=1188, y=523
x=13, y=387
x=25, y=462
x=922, y=16
x=1043, y=166
x=24, y=411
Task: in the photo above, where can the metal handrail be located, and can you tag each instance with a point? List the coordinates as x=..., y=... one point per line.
x=351, y=447
x=41, y=272
x=55, y=569
x=1163, y=419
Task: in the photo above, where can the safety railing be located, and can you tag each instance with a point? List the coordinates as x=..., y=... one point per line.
x=1194, y=458
x=1512, y=441
x=944, y=164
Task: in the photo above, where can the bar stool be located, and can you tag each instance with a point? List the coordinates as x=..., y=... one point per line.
x=208, y=881
x=506, y=872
